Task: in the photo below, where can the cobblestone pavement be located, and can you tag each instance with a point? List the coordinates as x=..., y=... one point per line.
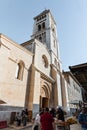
x=29, y=127
x=7, y=129
x=14, y=127
x=26, y=128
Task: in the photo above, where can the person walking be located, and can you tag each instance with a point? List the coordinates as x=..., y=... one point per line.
x=18, y=119
x=36, y=123
x=53, y=112
x=47, y=120
x=24, y=118
x=82, y=118
x=60, y=114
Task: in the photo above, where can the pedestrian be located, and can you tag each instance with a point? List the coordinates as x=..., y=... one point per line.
x=83, y=118
x=36, y=123
x=18, y=119
x=24, y=118
x=53, y=112
x=26, y=113
x=47, y=121
x=60, y=114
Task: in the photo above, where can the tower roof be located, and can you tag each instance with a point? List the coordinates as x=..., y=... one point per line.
x=42, y=13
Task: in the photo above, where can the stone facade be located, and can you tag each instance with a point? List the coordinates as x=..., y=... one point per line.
x=12, y=89
x=46, y=63
x=71, y=92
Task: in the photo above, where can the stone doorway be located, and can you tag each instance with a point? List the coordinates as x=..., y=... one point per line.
x=44, y=97
x=44, y=102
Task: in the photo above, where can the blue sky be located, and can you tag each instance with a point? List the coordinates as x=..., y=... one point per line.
x=16, y=22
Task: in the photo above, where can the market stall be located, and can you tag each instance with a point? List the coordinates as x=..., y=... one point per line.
x=64, y=125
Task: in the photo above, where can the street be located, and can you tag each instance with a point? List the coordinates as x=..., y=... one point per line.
x=26, y=128
x=72, y=127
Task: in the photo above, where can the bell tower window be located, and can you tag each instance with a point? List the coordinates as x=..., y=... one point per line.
x=43, y=25
x=39, y=27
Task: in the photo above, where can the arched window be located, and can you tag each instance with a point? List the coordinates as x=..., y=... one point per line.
x=39, y=27
x=45, y=61
x=43, y=25
x=20, y=70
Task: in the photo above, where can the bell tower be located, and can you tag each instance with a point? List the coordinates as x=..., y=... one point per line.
x=45, y=31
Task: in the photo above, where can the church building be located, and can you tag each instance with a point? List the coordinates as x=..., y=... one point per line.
x=31, y=73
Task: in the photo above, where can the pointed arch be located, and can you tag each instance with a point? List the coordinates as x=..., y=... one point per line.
x=45, y=94
x=45, y=90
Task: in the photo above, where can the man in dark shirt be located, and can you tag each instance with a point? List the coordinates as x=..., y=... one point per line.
x=46, y=120
x=83, y=119
x=60, y=114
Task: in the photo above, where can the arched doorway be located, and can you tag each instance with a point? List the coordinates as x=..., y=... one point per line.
x=44, y=97
x=44, y=102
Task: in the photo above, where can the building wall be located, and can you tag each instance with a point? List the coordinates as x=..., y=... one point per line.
x=39, y=63
x=39, y=51
x=52, y=71
x=72, y=91
x=39, y=70
x=13, y=90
